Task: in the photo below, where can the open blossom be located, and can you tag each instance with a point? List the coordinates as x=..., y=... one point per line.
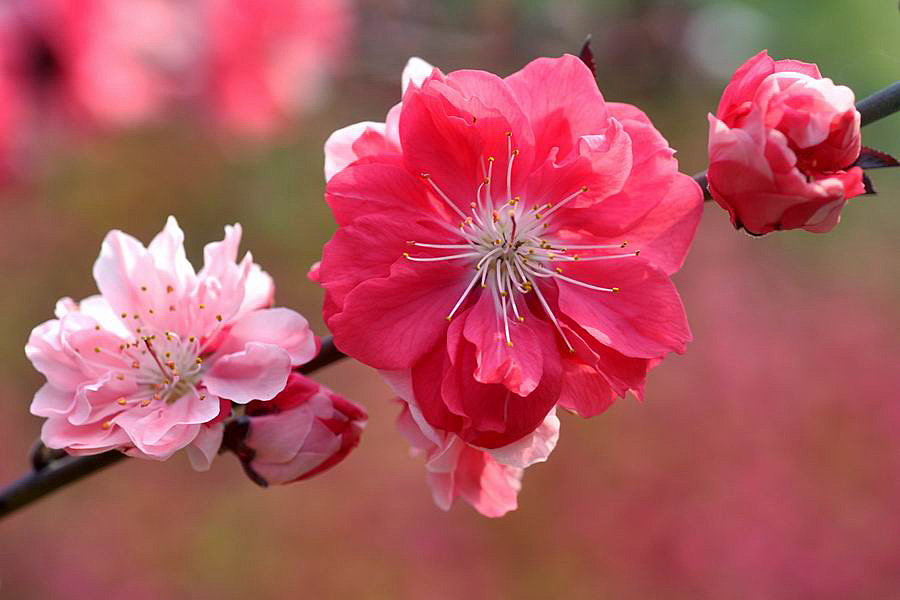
x=489, y=480
x=780, y=147
x=267, y=62
x=505, y=245
x=152, y=364
x=304, y=430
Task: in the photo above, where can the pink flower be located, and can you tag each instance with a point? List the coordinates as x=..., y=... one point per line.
x=268, y=61
x=304, y=430
x=484, y=246
x=152, y=364
x=489, y=480
x=781, y=145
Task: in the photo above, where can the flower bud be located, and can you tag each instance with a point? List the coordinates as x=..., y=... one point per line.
x=303, y=431
x=781, y=146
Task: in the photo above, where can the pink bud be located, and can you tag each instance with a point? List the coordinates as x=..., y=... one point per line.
x=303, y=431
x=781, y=147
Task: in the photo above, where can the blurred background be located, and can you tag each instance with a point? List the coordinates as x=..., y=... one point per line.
x=765, y=463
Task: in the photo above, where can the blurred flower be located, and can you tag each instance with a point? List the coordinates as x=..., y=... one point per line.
x=77, y=66
x=268, y=61
x=304, y=430
x=152, y=364
x=503, y=206
x=781, y=145
x=489, y=480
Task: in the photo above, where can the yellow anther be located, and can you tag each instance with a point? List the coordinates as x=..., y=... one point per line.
x=145, y=403
x=143, y=288
x=625, y=243
x=199, y=361
x=509, y=134
x=559, y=269
x=124, y=315
x=516, y=152
x=150, y=310
x=106, y=425
x=637, y=252
x=584, y=188
x=97, y=349
x=510, y=344
x=121, y=401
x=615, y=290
x=135, y=365
x=219, y=318
x=169, y=289
x=202, y=306
x=97, y=327
x=490, y=159
x=406, y=254
x=521, y=319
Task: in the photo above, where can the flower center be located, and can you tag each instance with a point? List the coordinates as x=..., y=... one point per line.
x=512, y=246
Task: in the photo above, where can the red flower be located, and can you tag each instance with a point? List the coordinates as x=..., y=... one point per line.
x=506, y=245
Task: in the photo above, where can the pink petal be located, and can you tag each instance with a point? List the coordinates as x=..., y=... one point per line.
x=560, y=98
x=280, y=327
x=205, y=447
x=390, y=323
x=645, y=319
x=517, y=367
x=258, y=372
x=339, y=150
x=531, y=449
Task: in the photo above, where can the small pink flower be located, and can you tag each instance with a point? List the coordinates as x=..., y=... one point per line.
x=489, y=480
x=304, y=430
x=781, y=145
x=152, y=364
x=269, y=61
x=507, y=245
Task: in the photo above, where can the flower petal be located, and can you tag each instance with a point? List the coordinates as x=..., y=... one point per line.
x=258, y=372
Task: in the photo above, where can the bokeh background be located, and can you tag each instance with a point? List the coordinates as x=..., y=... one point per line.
x=764, y=463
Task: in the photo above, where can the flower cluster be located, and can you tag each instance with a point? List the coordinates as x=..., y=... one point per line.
x=504, y=252
x=781, y=146
x=504, y=247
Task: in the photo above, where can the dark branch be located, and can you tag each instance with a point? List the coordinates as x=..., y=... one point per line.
x=55, y=475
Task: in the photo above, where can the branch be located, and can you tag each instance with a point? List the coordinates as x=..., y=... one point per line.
x=52, y=472
x=879, y=105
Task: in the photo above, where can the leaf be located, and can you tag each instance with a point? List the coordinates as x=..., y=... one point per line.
x=587, y=55
x=869, y=158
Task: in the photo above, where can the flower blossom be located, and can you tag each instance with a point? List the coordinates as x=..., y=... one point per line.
x=505, y=245
x=152, y=364
x=304, y=430
x=781, y=146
